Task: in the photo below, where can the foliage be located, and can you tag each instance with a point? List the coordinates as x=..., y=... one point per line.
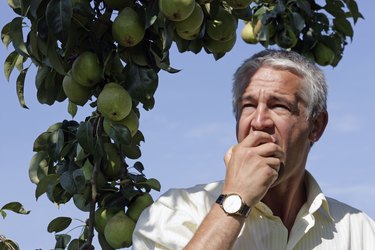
x=16, y=207
x=90, y=164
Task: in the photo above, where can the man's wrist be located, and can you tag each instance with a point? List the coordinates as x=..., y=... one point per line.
x=232, y=204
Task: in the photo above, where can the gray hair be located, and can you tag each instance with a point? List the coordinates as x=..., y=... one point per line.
x=313, y=92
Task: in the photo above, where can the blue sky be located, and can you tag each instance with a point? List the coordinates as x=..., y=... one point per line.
x=192, y=126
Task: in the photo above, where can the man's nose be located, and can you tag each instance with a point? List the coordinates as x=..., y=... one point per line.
x=262, y=120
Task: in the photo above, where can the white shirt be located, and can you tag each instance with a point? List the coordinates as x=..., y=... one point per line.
x=322, y=223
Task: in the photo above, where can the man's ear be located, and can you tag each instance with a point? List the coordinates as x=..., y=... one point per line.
x=318, y=125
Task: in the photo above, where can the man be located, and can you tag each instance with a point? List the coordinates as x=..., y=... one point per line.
x=267, y=199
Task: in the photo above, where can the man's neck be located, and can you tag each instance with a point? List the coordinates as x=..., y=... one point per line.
x=286, y=200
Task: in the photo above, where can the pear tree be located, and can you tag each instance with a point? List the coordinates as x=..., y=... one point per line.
x=106, y=54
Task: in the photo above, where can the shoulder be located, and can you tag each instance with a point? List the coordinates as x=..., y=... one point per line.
x=196, y=196
x=342, y=212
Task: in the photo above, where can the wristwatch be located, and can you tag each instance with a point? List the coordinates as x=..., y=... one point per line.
x=232, y=204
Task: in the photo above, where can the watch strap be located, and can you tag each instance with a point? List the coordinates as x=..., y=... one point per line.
x=244, y=211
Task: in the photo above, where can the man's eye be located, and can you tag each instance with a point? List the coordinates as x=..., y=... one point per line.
x=281, y=106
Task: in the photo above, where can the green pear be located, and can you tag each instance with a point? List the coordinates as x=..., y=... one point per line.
x=114, y=102
x=138, y=205
x=176, y=10
x=75, y=92
x=127, y=28
x=248, y=34
x=86, y=69
x=102, y=216
x=323, y=55
x=192, y=23
x=119, y=230
x=217, y=47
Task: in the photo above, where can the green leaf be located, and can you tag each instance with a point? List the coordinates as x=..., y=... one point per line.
x=353, y=7
x=76, y=244
x=79, y=180
x=19, y=6
x=344, y=26
x=15, y=207
x=55, y=143
x=59, y=224
x=85, y=136
x=298, y=21
x=8, y=244
x=150, y=184
x=304, y=6
x=87, y=170
x=38, y=167
x=41, y=142
x=120, y=134
x=67, y=182
x=45, y=184
x=54, y=59
x=72, y=109
x=5, y=35
x=81, y=202
x=16, y=35
x=143, y=83
x=3, y=214
x=334, y=7
x=10, y=63
x=62, y=241
x=58, y=15
x=34, y=6
x=20, y=84
x=57, y=194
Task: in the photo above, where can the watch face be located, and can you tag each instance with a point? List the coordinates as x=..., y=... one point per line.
x=232, y=203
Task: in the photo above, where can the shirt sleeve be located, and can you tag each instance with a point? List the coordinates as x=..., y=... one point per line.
x=172, y=220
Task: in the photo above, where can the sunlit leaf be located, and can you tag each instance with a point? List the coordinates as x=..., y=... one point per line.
x=55, y=143
x=20, y=84
x=5, y=36
x=8, y=244
x=44, y=184
x=72, y=109
x=10, y=63
x=16, y=35
x=38, y=167
x=59, y=224
x=15, y=207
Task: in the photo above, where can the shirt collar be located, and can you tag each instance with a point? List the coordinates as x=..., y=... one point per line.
x=316, y=200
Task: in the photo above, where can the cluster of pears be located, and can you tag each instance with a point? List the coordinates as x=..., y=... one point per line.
x=115, y=227
x=115, y=105
x=188, y=18
x=85, y=74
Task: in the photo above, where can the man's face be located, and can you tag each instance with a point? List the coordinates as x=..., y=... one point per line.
x=271, y=104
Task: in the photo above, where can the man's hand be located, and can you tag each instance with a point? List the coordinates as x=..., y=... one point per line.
x=252, y=166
